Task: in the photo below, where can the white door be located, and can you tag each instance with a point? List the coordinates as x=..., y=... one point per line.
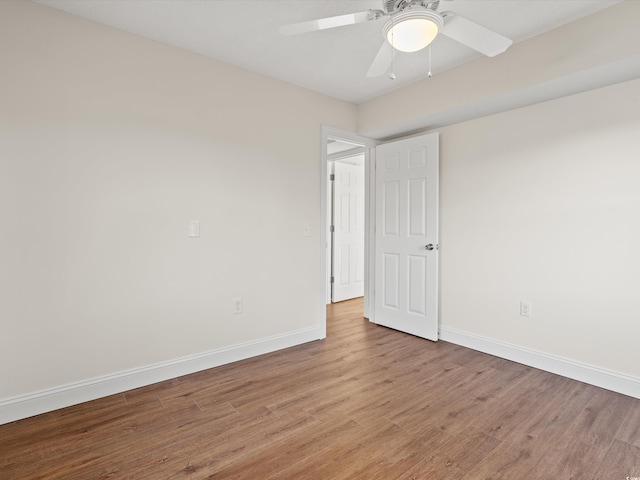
x=406, y=238
x=348, y=239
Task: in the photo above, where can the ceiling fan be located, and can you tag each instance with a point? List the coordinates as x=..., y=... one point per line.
x=412, y=26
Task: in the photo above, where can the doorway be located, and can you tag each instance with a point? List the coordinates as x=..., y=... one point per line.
x=401, y=255
x=337, y=145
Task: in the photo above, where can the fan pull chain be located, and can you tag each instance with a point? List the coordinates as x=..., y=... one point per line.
x=392, y=75
x=429, y=73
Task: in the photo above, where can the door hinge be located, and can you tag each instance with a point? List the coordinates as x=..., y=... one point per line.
x=331, y=280
x=332, y=177
x=332, y=228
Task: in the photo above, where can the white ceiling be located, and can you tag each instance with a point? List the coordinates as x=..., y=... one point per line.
x=334, y=62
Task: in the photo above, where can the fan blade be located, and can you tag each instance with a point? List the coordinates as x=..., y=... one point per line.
x=473, y=35
x=325, y=23
x=383, y=59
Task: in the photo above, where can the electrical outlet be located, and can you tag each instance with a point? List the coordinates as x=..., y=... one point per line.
x=525, y=309
x=237, y=305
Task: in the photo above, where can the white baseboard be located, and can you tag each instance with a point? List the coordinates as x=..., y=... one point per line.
x=24, y=406
x=583, y=372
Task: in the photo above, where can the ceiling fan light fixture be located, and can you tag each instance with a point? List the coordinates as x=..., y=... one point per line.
x=413, y=30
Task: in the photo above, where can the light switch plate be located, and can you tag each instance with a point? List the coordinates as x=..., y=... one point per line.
x=237, y=305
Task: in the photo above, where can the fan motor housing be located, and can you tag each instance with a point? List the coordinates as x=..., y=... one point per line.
x=394, y=6
x=390, y=6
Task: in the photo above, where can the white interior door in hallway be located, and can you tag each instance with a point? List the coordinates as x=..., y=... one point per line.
x=348, y=230
x=406, y=235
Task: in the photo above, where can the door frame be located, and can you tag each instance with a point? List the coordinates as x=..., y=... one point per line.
x=331, y=133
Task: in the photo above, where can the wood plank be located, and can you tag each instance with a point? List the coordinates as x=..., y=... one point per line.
x=583, y=445
x=630, y=429
x=526, y=445
x=622, y=461
x=455, y=458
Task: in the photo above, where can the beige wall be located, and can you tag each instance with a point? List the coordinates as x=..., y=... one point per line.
x=109, y=145
x=542, y=204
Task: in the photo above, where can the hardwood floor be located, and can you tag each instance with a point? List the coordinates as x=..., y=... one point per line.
x=366, y=403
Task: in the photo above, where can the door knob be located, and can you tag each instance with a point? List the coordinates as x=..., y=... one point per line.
x=429, y=246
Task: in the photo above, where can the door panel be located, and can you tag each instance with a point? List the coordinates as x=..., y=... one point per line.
x=406, y=279
x=391, y=270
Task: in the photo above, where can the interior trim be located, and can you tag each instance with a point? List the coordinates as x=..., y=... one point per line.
x=600, y=377
x=24, y=406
